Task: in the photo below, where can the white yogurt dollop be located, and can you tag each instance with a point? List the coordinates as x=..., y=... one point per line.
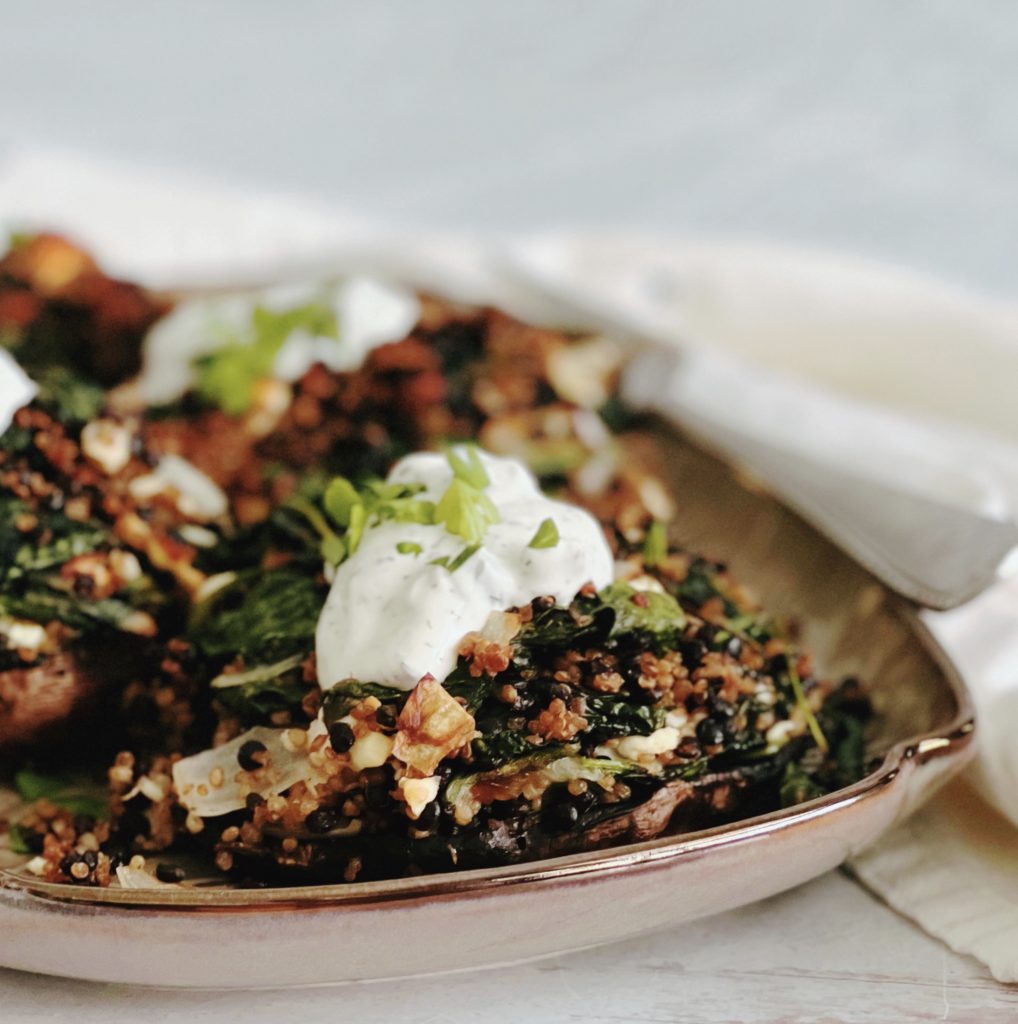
x=392, y=618
x=369, y=313
x=16, y=389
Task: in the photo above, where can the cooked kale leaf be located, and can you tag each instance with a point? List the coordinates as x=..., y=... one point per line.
x=341, y=699
x=608, y=715
x=265, y=620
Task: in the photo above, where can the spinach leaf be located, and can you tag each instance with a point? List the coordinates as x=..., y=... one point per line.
x=70, y=792
x=265, y=620
x=67, y=396
x=228, y=376
x=254, y=703
x=608, y=715
x=43, y=605
x=499, y=744
x=341, y=699
x=797, y=786
x=652, y=616
x=586, y=622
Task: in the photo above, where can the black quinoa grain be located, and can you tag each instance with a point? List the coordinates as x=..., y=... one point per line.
x=692, y=653
x=246, y=755
x=341, y=737
x=720, y=708
x=170, y=873
x=428, y=818
x=710, y=733
x=322, y=820
x=561, y=817
x=501, y=810
x=377, y=797
x=83, y=823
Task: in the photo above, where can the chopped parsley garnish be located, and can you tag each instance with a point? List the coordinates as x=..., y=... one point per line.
x=339, y=499
x=655, y=545
x=469, y=469
x=546, y=535
x=800, y=698
x=464, y=510
x=466, y=554
x=227, y=377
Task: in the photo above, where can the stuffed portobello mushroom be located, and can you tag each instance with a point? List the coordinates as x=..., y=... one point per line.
x=337, y=582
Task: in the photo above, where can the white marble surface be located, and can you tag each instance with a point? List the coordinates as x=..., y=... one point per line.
x=884, y=128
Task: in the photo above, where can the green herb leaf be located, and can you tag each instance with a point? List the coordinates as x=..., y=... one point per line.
x=255, y=694
x=656, y=616
x=339, y=500
x=342, y=698
x=466, y=512
x=409, y=547
x=655, y=545
x=17, y=841
x=70, y=792
x=465, y=555
x=797, y=787
x=227, y=377
x=355, y=531
x=800, y=698
x=469, y=469
x=66, y=395
x=546, y=536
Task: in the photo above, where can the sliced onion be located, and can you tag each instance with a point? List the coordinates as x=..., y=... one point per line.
x=193, y=776
x=258, y=674
x=139, y=878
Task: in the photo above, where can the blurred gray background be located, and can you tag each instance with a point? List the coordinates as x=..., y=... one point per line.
x=884, y=128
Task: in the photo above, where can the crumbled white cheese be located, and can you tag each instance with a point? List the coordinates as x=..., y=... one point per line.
x=418, y=793
x=197, y=496
x=107, y=444
x=371, y=750
x=632, y=748
x=781, y=732
x=647, y=584
x=676, y=718
x=22, y=635
x=200, y=496
x=37, y=866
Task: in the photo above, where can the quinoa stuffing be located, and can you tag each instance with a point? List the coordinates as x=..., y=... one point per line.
x=534, y=666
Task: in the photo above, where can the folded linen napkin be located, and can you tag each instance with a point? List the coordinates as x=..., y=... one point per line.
x=917, y=379
x=824, y=336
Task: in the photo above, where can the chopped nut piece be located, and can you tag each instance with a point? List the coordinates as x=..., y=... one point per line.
x=431, y=725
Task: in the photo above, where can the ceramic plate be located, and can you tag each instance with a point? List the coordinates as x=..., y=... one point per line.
x=224, y=937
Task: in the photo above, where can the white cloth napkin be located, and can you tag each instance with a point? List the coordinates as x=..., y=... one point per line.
x=918, y=378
